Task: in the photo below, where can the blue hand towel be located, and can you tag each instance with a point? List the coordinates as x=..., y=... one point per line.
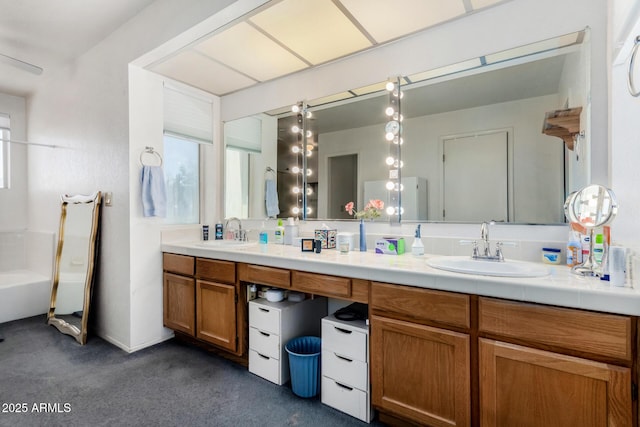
x=271, y=197
x=154, y=195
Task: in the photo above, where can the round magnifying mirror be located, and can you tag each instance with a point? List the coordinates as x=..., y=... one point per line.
x=593, y=206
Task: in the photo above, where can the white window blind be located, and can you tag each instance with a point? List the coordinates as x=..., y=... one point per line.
x=244, y=134
x=186, y=116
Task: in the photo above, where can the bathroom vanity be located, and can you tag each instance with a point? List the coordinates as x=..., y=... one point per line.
x=446, y=349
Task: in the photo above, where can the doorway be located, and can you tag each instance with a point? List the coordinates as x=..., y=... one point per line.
x=342, y=179
x=476, y=177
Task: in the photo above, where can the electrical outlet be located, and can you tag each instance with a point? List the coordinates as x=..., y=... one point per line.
x=108, y=198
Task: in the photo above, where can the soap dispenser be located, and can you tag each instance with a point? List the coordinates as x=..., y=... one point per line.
x=417, y=248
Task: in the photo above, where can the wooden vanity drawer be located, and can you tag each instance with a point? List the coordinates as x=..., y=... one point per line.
x=601, y=334
x=181, y=264
x=321, y=284
x=269, y=276
x=418, y=304
x=221, y=271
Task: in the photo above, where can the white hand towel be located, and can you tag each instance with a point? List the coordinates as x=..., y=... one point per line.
x=154, y=195
x=271, y=197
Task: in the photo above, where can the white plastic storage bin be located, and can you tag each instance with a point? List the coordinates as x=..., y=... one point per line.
x=272, y=325
x=345, y=367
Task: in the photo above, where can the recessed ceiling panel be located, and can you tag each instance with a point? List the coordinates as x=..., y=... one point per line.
x=386, y=20
x=244, y=48
x=196, y=70
x=315, y=29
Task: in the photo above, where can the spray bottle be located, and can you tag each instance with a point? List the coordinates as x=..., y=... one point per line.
x=417, y=248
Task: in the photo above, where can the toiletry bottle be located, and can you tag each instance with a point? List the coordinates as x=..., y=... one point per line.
x=290, y=231
x=205, y=232
x=264, y=236
x=219, y=231
x=417, y=248
x=574, y=248
x=585, y=242
x=598, y=248
x=279, y=234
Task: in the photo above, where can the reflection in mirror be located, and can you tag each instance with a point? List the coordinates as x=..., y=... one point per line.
x=74, y=265
x=473, y=143
x=591, y=207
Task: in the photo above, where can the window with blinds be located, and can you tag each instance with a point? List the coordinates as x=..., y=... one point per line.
x=188, y=123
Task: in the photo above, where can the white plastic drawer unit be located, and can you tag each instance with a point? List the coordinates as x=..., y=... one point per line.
x=345, y=367
x=272, y=325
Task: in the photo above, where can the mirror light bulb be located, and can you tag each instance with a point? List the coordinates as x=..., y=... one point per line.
x=295, y=169
x=390, y=210
x=309, y=210
x=309, y=114
x=309, y=191
x=309, y=153
x=295, y=210
x=296, y=190
x=390, y=137
x=389, y=111
x=295, y=149
x=390, y=185
x=390, y=86
x=390, y=160
x=295, y=129
x=309, y=172
x=309, y=134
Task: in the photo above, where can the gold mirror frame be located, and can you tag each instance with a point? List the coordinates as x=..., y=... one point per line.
x=79, y=333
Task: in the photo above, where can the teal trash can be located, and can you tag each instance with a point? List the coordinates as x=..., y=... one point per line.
x=304, y=365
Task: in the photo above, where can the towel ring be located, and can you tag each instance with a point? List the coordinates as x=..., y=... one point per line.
x=634, y=51
x=150, y=150
x=270, y=171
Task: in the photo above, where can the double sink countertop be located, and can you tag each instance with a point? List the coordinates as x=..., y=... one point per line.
x=560, y=287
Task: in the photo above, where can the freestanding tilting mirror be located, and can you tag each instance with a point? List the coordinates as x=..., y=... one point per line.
x=593, y=206
x=74, y=265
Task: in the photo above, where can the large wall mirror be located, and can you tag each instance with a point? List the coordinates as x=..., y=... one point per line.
x=74, y=265
x=473, y=143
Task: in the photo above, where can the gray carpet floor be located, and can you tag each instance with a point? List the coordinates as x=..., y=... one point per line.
x=56, y=382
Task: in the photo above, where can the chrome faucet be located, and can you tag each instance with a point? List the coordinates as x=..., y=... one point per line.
x=486, y=253
x=236, y=234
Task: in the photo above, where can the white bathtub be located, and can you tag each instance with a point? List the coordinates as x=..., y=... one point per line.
x=23, y=293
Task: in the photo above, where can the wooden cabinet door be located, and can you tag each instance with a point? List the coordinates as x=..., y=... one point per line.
x=216, y=314
x=521, y=386
x=420, y=372
x=178, y=311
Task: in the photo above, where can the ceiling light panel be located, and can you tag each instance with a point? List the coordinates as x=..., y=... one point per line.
x=244, y=48
x=315, y=29
x=197, y=70
x=386, y=20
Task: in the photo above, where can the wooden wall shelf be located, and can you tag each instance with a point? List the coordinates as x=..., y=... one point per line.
x=564, y=124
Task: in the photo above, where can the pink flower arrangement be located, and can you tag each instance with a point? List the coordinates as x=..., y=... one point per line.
x=370, y=211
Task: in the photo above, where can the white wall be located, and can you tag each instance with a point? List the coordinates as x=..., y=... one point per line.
x=84, y=108
x=13, y=201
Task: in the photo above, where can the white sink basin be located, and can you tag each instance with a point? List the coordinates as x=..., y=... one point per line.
x=468, y=265
x=224, y=243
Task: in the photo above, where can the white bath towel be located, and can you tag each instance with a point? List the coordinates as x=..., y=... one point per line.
x=271, y=197
x=154, y=195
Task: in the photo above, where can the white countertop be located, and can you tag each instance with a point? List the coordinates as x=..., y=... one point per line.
x=560, y=288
